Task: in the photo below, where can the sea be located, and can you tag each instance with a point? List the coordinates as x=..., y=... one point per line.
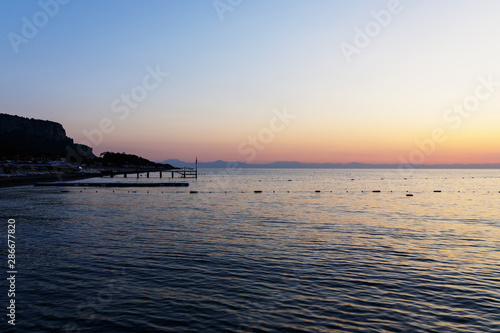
x=258, y=250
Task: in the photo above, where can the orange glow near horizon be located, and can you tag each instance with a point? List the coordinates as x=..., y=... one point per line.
x=459, y=148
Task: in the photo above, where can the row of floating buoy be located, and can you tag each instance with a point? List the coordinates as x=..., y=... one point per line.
x=319, y=191
x=259, y=191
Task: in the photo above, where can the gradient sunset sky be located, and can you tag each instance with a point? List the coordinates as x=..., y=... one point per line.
x=366, y=81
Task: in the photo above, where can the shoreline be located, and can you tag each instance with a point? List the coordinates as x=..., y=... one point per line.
x=30, y=180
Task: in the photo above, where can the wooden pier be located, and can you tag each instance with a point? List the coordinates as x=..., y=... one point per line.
x=185, y=173
x=101, y=184
x=180, y=172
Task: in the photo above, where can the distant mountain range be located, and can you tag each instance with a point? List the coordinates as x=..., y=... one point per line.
x=300, y=165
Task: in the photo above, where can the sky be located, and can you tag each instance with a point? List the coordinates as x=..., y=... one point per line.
x=258, y=81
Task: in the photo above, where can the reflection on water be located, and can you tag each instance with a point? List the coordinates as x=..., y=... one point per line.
x=345, y=259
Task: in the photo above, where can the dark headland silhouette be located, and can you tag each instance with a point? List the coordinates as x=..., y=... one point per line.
x=27, y=138
x=22, y=137
x=33, y=150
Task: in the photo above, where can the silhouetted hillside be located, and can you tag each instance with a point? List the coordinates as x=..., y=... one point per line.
x=22, y=137
x=122, y=159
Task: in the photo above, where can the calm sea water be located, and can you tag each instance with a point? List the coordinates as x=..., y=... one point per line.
x=289, y=259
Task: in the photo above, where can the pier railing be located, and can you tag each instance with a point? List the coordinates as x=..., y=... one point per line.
x=180, y=172
x=185, y=173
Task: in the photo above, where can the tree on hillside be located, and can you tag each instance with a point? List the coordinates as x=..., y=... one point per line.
x=119, y=159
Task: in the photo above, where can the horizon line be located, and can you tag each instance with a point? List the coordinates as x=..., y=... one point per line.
x=345, y=163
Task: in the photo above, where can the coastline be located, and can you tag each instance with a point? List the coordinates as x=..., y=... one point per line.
x=30, y=180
